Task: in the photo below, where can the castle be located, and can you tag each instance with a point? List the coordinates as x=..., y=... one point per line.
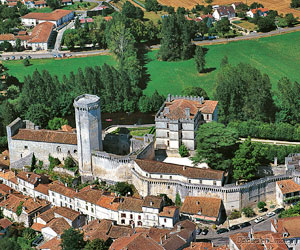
x=176, y=124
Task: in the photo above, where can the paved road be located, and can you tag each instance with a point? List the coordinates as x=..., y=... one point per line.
x=60, y=35
x=275, y=142
x=222, y=239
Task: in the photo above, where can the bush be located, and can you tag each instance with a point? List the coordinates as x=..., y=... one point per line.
x=53, y=162
x=69, y=164
x=183, y=151
x=248, y=212
x=261, y=204
x=214, y=227
x=26, y=62
x=234, y=215
x=19, y=208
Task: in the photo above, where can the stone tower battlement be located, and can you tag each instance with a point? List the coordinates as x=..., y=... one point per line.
x=89, y=130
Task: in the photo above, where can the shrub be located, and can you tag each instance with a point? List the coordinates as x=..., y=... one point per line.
x=248, y=212
x=214, y=227
x=234, y=215
x=261, y=204
x=26, y=62
x=19, y=209
x=183, y=151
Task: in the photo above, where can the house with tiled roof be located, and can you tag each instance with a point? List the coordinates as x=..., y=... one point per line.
x=5, y=191
x=204, y=209
x=24, y=138
x=53, y=244
x=258, y=11
x=286, y=190
x=57, y=17
x=151, y=207
x=61, y=195
x=130, y=212
x=289, y=229
x=28, y=181
x=168, y=217
x=55, y=228
x=178, y=120
x=85, y=201
x=107, y=207
x=4, y=226
x=224, y=12
x=42, y=191
x=6, y=176
x=23, y=209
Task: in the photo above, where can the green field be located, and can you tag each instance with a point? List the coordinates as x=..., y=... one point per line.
x=278, y=56
x=42, y=10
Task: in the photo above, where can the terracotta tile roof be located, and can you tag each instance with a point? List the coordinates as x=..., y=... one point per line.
x=66, y=213
x=135, y=242
x=42, y=188
x=238, y=238
x=274, y=241
x=177, y=108
x=58, y=225
x=7, y=174
x=41, y=33
x=288, y=186
x=168, y=168
x=117, y=231
x=53, y=16
x=39, y=2
x=4, y=189
x=200, y=246
x=23, y=37
x=289, y=225
x=168, y=211
x=226, y=10
x=109, y=202
x=48, y=215
x=66, y=128
x=14, y=180
x=97, y=230
x=254, y=11
x=224, y=247
x=44, y=135
x=38, y=227
x=108, y=18
x=14, y=200
x=203, y=206
x=158, y=233
x=53, y=244
x=174, y=242
x=29, y=177
x=5, y=223
x=92, y=195
x=131, y=204
x=22, y=32
x=153, y=201
x=62, y=189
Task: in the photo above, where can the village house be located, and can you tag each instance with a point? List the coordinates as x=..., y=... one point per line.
x=55, y=228
x=178, y=119
x=5, y=191
x=4, y=226
x=57, y=17
x=288, y=229
x=224, y=12
x=131, y=212
x=259, y=12
x=5, y=176
x=23, y=209
x=61, y=195
x=53, y=244
x=204, y=209
x=42, y=191
x=285, y=190
x=151, y=207
x=107, y=207
x=168, y=217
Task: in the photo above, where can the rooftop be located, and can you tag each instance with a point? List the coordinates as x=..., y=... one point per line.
x=53, y=244
x=109, y=202
x=131, y=204
x=153, y=201
x=58, y=225
x=86, y=99
x=289, y=225
x=92, y=195
x=43, y=135
x=29, y=177
x=42, y=188
x=5, y=223
x=62, y=189
x=41, y=33
x=157, y=167
x=53, y=16
x=288, y=186
x=204, y=206
x=168, y=211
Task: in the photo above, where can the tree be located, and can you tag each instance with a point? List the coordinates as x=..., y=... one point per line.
x=246, y=161
x=38, y=114
x=223, y=26
x=29, y=234
x=261, y=204
x=248, y=212
x=26, y=62
x=69, y=163
x=266, y=24
x=33, y=163
x=56, y=123
x=200, y=59
x=53, y=4
x=72, y=239
x=96, y=244
x=124, y=188
x=256, y=5
x=290, y=19
x=295, y=3
x=9, y=244
x=243, y=93
x=195, y=91
x=215, y=145
x=178, y=202
x=130, y=11
x=183, y=151
x=18, y=44
x=152, y=5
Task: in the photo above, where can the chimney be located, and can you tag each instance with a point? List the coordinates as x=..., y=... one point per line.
x=184, y=167
x=27, y=175
x=178, y=228
x=151, y=203
x=167, y=110
x=187, y=112
x=66, y=184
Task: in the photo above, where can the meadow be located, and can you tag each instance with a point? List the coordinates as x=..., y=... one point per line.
x=277, y=56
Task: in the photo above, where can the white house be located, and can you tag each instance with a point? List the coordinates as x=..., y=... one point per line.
x=107, y=207
x=168, y=217
x=131, y=212
x=224, y=12
x=55, y=228
x=41, y=35
x=61, y=195
x=259, y=11
x=151, y=207
x=287, y=189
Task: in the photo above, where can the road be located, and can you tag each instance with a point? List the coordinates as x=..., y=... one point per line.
x=223, y=239
x=273, y=142
x=60, y=35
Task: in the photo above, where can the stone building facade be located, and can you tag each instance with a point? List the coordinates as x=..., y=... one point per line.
x=178, y=120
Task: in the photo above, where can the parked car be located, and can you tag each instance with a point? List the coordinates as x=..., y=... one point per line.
x=234, y=227
x=270, y=214
x=204, y=232
x=222, y=230
x=21, y=57
x=28, y=57
x=198, y=38
x=13, y=58
x=199, y=230
x=211, y=37
x=279, y=210
x=245, y=224
x=7, y=58
x=59, y=55
x=259, y=219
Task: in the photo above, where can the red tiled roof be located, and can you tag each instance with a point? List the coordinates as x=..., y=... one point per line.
x=97, y=230
x=288, y=186
x=58, y=225
x=30, y=177
x=67, y=213
x=53, y=16
x=62, y=189
x=44, y=135
x=254, y=11
x=42, y=188
x=92, y=195
x=200, y=246
x=117, y=231
x=168, y=211
x=109, y=202
x=38, y=226
x=168, y=168
x=5, y=223
x=153, y=201
x=290, y=225
x=204, y=206
x=7, y=37
x=53, y=244
x=41, y=33
x=131, y=204
x=4, y=189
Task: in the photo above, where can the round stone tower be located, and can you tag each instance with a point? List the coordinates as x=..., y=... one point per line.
x=89, y=131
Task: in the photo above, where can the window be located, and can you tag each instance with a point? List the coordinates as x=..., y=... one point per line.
x=140, y=217
x=200, y=181
x=53, y=200
x=161, y=176
x=131, y=216
x=25, y=147
x=92, y=209
x=190, y=181
x=86, y=207
x=61, y=197
x=123, y=216
x=207, y=117
x=140, y=223
x=58, y=149
x=71, y=207
x=165, y=220
x=168, y=134
x=123, y=221
x=168, y=187
x=170, y=177
x=75, y=151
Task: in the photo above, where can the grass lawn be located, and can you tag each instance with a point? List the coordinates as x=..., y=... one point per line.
x=247, y=25
x=57, y=67
x=42, y=10
x=154, y=16
x=278, y=56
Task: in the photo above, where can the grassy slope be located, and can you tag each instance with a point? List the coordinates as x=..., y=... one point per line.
x=277, y=56
x=57, y=67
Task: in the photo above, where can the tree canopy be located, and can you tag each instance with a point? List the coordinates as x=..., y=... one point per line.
x=72, y=239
